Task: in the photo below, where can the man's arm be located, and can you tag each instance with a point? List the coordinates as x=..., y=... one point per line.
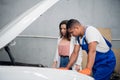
x=74, y=56
x=91, y=58
x=91, y=54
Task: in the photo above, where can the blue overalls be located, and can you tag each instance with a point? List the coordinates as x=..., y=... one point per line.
x=104, y=62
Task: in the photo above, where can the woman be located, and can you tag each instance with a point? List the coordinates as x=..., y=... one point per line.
x=65, y=47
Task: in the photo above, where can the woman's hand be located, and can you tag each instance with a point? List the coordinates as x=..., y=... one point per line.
x=54, y=65
x=77, y=67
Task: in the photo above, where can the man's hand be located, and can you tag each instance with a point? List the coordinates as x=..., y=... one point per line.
x=86, y=71
x=63, y=68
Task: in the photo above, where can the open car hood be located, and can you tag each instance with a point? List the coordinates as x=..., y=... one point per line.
x=13, y=29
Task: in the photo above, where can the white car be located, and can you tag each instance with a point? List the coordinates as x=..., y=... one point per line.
x=36, y=73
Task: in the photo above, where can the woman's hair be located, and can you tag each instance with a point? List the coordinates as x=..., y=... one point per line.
x=67, y=36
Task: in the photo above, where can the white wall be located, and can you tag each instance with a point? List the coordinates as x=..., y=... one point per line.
x=99, y=13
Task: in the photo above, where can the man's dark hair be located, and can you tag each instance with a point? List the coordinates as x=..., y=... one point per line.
x=71, y=22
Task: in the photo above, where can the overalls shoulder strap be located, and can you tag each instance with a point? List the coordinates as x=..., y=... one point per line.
x=108, y=43
x=78, y=39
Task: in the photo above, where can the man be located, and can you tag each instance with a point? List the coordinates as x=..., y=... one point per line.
x=101, y=60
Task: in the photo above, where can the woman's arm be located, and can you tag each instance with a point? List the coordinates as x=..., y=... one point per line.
x=56, y=58
x=78, y=63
